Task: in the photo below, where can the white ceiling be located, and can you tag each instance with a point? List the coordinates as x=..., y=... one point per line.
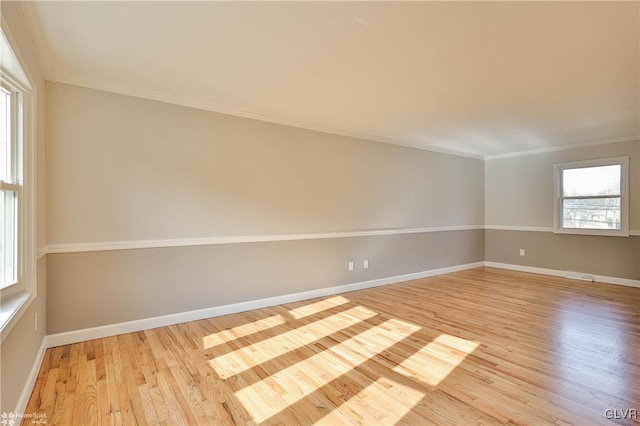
x=478, y=78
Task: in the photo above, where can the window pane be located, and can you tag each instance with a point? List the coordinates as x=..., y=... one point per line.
x=592, y=213
x=589, y=181
x=8, y=237
x=5, y=139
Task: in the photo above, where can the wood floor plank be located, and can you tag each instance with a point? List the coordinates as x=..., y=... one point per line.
x=483, y=346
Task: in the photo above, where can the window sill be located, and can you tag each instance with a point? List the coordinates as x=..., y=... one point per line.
x=600, y=232
x=11, y=309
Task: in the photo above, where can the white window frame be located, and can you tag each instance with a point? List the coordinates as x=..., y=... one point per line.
x=16, y=181
x=623, y=162
x=17, y=297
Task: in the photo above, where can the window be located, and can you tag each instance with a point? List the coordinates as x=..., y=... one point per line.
x=17, y=189
x=592, y=197
x=10, y=179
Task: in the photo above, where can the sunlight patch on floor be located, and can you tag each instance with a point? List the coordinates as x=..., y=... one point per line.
x=435, y=361
x=317, y=307
x=284, y=387
x=246, y=357
x=382, y=402
x=243, y=330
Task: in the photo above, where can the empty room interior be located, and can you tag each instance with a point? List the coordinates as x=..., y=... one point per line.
x=421, y=213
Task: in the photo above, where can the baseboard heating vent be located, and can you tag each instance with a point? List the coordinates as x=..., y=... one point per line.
x=582, y=276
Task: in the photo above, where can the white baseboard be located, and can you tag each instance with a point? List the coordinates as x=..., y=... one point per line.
x=76, y=336
x=617, y=281
x=161, y=321
x=23, y=399
x=521, y=268
x=556, y=273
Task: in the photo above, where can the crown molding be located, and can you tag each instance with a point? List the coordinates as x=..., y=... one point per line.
x=227, y=110
x=159, y=96
x=36, y=39
x=563, y=148
x=46, y=64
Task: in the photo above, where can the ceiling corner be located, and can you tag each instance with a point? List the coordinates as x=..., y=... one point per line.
x=27, y=13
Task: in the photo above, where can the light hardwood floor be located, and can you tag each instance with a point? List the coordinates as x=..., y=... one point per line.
x=483, y=346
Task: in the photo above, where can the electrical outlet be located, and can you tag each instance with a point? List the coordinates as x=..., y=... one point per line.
x=365, y=264
x=350, y=266
x=521, y=252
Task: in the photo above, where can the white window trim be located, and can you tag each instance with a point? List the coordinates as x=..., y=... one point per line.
x=16, y=299
x=624, y=196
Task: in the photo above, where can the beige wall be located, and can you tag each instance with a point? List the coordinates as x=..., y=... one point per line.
x=519, y=190
x=123, y=168
x=608, y=256
x=20, y=347
x=19, y=350
x=98, y=288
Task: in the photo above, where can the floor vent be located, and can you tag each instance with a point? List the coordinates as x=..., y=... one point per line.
x=579, y=276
